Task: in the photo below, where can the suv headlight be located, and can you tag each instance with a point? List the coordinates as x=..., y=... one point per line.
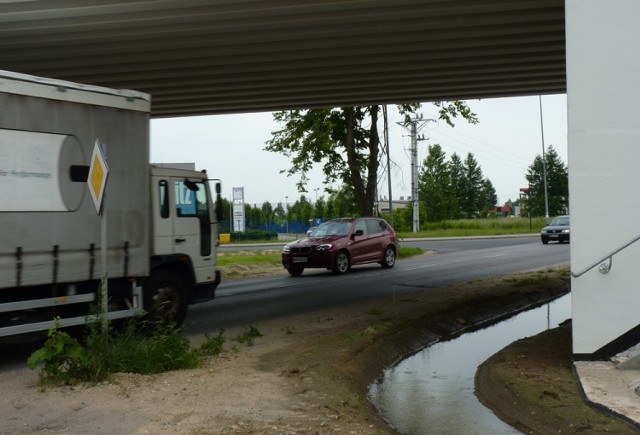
x=324, y=247
x=286, y=249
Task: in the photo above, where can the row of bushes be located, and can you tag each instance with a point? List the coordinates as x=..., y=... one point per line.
x=253, y=235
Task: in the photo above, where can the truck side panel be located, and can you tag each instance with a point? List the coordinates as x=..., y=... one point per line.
x=40, y=242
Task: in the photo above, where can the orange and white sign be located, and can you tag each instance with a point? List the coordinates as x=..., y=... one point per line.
x=98, y=173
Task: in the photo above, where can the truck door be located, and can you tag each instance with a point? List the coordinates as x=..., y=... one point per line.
x=192, y=226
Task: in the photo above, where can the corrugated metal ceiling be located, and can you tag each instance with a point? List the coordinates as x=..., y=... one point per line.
x=225, y=56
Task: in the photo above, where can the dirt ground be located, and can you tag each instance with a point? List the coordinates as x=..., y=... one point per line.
x=309, y=373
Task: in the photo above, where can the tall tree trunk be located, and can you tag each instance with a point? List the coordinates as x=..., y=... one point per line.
x=352, y=162
x=365, y=194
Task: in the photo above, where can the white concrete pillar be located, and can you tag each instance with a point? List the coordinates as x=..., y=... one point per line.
x=603, y=97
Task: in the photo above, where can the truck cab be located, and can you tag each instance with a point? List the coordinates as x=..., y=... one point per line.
x=183, y=243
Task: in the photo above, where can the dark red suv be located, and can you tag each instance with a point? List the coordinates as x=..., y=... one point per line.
x=339, y=244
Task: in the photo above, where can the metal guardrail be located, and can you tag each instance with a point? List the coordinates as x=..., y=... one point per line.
x=606, y=262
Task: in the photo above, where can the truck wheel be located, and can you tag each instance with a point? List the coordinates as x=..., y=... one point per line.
x=295, y=271
x=165, y=297
x=342, y=263
x=389, y=258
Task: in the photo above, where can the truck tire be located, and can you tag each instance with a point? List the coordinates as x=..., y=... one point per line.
x=165, y=298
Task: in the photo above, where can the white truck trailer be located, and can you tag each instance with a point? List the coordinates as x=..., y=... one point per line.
x=161, y=223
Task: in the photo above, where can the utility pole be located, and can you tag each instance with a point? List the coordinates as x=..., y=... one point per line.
x=414, y=126
x=386, y=144
x=544, y=163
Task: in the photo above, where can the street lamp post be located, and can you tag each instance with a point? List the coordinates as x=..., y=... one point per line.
x=286, y=204
x=544, y=163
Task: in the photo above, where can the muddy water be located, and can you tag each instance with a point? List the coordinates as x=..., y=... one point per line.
x=432, y=391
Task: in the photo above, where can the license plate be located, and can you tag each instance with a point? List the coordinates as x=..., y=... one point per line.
x=553, y=236
x=299, y=260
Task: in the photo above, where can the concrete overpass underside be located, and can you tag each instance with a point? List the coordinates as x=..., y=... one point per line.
x=225, y=56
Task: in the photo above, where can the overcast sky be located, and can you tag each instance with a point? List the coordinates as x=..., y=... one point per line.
x=231, y=147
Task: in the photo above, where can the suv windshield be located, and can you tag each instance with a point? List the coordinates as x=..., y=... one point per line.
x=332, y=229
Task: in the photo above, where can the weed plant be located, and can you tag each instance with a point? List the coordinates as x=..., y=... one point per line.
x=248, y=336
x=213, y=344
x=62, y=357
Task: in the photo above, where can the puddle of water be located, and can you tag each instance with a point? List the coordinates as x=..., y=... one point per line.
x=432, y=392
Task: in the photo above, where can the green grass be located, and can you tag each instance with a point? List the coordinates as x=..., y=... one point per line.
x=478, y=227
x=409, y=252
x=249, y=257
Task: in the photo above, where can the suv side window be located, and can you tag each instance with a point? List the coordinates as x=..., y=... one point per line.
x=361, y=225
x=375, y=226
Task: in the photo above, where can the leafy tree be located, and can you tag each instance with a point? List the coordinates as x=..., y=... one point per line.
x=488, y=198
x=301, y=210
x=319, y=208
x=267, y=213
x=454, y=189
x=342, y=202
x=457, y=173
x=402, y=218
x=346, y=142
x=557, y=184
x=471, y=201
x=226, y=216
x=330, y=210
x=280, y=215
x=434, y=185
x=267, y=209
x=253, y=216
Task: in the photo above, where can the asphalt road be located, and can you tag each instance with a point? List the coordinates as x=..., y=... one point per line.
x=246, y=302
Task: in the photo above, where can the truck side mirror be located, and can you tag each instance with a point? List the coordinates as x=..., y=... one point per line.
x=191, y=185
x=218, y=210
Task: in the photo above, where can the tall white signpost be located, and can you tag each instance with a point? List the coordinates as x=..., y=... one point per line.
x=97, y=182
x=238, y=209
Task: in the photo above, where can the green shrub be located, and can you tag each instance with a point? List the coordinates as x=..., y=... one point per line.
x=253, y=235
x=248, y=336
x=150, y=350
x=139, y=347
x=212, y=345
x=62, y=358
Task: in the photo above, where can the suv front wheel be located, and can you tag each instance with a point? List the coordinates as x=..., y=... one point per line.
x=389, y=258
x=295, y=270
x=341, y=264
